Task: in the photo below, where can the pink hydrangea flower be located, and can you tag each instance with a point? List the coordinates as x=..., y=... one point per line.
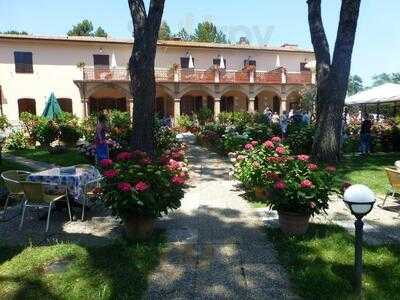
x=124, y=187
x=142, y=186
x=110, y=173
x=178, y=180
x=312, y=167
x=123, y=156
x=106, y=163
x=280, y=185
x=306, y=184
x=280, y=150
x=276, y=139
x=249, y=147
x=269, y=145
x=254, y=143
x=303, y=157
x=241, y=157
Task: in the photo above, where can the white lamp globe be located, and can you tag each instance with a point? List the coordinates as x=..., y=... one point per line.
x=359, y=198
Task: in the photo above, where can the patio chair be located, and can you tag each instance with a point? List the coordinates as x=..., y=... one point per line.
x=90, y=192
x=394, y=180
x=36, y=196
x=12, y=180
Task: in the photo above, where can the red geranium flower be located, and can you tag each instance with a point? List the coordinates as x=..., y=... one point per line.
x=306, y=184
x=269, y=145
x=105, y=163
x=124, y=187
x=142, y=186
x=280, y=150
x=312, y=167
x=303, y=157
x=249, y=147
x=276, y=139
x=123, y=156
x=178, y=180
x=280, y=185
x=110, y=173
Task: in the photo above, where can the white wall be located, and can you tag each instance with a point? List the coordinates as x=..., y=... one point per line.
x=55, y=67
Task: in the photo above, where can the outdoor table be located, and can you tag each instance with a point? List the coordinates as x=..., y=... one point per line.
x=75, y=179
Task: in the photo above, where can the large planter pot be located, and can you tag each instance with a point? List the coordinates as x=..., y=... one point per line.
x=139, y=227
x=292, y=223
x=259, y=193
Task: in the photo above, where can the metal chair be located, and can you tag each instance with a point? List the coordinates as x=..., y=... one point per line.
x=37, y=196
x=394, y=180
x=91, y=191
x=12, y=180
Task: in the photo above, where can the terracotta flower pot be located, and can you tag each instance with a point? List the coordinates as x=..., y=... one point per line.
x=139, y=227
x=259, y=192
x=292, y=223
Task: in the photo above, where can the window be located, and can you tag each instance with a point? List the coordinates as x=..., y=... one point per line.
x=23, y=62
x=217, y=61
x=303, y=67
x=184, y=62
x=101, y=60
x=27, y=105
x=65, y=104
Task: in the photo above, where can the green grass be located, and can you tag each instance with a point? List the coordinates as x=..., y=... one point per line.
x=368, y=170
x=320, y=264
x=68, y=158
x=118, y=271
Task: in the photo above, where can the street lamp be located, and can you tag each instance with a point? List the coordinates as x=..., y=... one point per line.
x=360, y=200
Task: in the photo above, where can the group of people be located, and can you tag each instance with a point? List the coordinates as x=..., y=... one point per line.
x=293, y=116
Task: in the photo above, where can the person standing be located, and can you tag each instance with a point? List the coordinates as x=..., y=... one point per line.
x=365, y=135
x=306, y=118
x=102, y=151
x=284, y=122
x=275, y=118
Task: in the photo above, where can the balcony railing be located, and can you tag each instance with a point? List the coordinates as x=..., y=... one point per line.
x=278, y=76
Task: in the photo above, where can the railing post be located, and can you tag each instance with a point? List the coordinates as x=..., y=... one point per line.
x=284, y=77
x=252, y=75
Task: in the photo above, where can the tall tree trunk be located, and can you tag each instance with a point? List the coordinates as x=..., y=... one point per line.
x=332, y=76
x=141, y=69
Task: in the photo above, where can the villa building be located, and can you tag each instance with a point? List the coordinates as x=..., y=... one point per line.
x=90, y=74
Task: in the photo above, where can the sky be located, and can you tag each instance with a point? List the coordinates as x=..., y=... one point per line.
x=264, y=22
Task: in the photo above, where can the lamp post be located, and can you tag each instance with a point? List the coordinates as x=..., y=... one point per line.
x=360, y=200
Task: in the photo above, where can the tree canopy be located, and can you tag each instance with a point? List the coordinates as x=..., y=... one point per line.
x=207, y=32
x=85, y=28
x=165, y=31
x=355, y=85
x=385, y=78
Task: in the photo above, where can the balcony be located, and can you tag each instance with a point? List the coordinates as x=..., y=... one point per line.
x=212, y=75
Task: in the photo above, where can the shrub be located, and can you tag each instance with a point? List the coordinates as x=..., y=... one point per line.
x=17, y=140
x=45, y=131
x=184, y=122
x=205, y=115
x=88, y=128
x=165, y=138
x=300, y=138
x=137, y=186
x=4, y=124
x=70, y=134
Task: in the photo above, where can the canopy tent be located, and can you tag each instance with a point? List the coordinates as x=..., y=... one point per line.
x=388, y=92
x=52, y=109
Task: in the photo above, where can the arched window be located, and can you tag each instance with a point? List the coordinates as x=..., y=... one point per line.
x=27, y=105
x=65, y=104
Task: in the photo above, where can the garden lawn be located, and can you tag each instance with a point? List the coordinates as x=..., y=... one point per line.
x=320, y=264
x=368, y=170
x=118, y=271
x=67, y=158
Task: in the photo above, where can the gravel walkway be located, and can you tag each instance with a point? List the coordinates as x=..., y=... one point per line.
x=217, y=249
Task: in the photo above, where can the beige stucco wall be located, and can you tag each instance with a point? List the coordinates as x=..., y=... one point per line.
x=55, y=67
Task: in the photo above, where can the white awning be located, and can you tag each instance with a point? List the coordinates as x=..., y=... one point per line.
x=388, y=92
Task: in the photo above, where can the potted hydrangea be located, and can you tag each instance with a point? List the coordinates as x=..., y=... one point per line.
x=139, y=189
x=293, y=185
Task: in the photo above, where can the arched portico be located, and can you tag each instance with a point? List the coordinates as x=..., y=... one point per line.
x=268, y=98
x=293, y=100
x=234, y=101
x=107, y=97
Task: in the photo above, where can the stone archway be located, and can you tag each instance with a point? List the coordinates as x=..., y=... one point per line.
x=107, y=97
x=268, y=98
x=234, y=101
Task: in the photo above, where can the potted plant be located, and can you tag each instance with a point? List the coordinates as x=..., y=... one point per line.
x=298, y=190
x=139, y=189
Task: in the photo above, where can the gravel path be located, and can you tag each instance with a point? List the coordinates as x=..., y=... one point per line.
x=216, y=249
